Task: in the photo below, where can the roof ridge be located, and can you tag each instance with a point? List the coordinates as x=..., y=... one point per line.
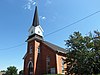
x=55, y=47
x=54, y=44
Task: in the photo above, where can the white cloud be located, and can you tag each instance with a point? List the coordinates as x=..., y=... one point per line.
x=29, y=4
x=34, y=3
x=43, y=17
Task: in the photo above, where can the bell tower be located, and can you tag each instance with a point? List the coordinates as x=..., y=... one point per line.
x=36, y=31
x=32, y=58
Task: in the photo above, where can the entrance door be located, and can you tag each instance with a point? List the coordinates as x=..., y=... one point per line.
x=30, y=69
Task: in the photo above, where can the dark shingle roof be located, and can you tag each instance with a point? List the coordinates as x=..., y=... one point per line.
x=35, y=19
x=55, y=47
x=36, y=36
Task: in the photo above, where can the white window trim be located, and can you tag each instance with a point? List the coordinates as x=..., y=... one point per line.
x=29, y=63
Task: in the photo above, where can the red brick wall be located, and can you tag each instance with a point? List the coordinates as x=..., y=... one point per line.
x=45, y=52
x=28, y=57
x=39, y=60
x=59, y=63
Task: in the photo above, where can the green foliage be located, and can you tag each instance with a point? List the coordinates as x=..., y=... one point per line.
x=3, y=71
x=11, y=70
x=84, y=53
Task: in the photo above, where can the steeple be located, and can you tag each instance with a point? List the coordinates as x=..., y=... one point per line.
x=35, y=30
x=35, y=19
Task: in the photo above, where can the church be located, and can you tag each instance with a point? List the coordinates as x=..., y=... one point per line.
x=42, y=57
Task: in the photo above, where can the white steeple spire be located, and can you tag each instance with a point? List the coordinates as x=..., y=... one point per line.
x=36, y=29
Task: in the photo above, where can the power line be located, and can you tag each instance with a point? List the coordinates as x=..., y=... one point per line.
x=56, y=30
x=72, y=24
x=12, y=47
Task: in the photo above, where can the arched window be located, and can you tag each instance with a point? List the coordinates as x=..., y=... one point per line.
x=48, y=65
x=62, y=66
x=30, y=49
x=39, y=49
x=30, y=68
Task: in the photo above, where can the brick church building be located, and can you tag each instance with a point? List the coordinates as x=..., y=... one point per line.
x=42, y=57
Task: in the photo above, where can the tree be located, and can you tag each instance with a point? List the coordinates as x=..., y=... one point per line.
x=96, y=41
x=84, y=53
x=12, y=70
x=3, y=71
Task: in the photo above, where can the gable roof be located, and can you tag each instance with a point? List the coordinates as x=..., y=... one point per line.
x=55, y=47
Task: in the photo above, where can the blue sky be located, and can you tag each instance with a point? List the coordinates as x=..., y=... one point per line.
x=16, y=18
